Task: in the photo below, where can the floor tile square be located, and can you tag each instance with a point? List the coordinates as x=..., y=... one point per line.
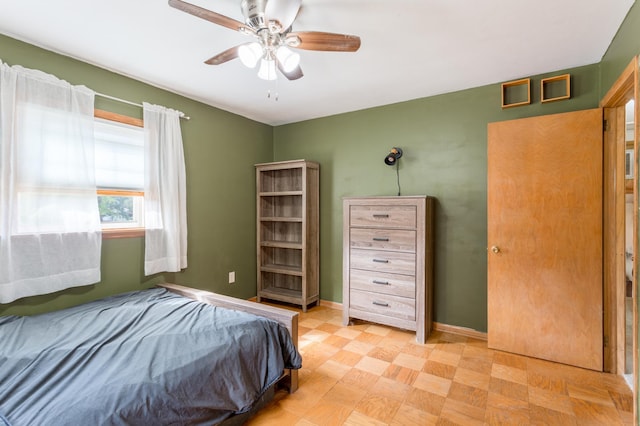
x=327, y=413
x=462, y=413
x=336, y=341
x=344, y=394
x=472, y=378
x=378, y=407
x=401, y=374
x=372, y=365
x=445, y=357
x=410, y=416
x=315, y=335
x=590, y=394
x=334, y=369
x=439, y=369
x=371, y=338
x=328, y=328
x=346, y=357
x=547, y=382
x=358, y=347
x=391, y=389
x=623, y=402
x=433, y=384
x=508, y=416
x=548, y=417
x=348, y=333
x=378, y=329
x=359, y=378
x=416, y=349
x=509, y=389
x=510, y=360
x=425, y=401
x=384, y=353
x=409, y=361
x=550, y=400
x=359, y=419
x=506, y=402
x=510, y=374
x=588, y=412
x=454, y=348
x=481, y=365
x=468, y=395
x=309, y=323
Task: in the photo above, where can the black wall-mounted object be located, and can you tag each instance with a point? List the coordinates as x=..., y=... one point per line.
x=393, y=156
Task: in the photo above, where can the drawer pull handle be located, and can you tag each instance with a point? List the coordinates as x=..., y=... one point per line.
x=386, y=305
x=381, y=216
x=381, y=282
x=380, y=239
x=381, y=260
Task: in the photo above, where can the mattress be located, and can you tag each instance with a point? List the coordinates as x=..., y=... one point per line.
x=145, y=357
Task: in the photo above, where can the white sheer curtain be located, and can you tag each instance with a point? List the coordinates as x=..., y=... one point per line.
x=50, y=236
x=165, y=194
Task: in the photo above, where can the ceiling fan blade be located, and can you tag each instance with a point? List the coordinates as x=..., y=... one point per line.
x=209, y=15
x=223, y=57
x=316, y=40
x=294, y=74
x=283, y=11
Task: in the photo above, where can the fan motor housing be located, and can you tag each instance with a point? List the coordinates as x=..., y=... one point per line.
x=253, y=12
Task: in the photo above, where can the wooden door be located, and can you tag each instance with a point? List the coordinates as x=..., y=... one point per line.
x=545, y=237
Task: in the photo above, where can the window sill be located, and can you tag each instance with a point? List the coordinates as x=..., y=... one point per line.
x=108, y=234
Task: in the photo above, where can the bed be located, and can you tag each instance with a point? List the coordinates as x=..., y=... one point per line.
x=167, y=355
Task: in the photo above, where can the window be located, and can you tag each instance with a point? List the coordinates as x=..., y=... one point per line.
x=120, y=174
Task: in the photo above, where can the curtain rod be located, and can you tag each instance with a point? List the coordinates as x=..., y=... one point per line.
x=124, y=101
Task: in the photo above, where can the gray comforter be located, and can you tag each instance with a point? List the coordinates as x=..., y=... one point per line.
x=147, y=358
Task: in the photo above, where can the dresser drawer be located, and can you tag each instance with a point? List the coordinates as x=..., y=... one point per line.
x=383, y=239
x=383, y=261
x=383, y=216
x=384, y=304
x=383, y=283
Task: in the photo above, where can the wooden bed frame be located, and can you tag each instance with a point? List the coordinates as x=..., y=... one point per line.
x=285, y=317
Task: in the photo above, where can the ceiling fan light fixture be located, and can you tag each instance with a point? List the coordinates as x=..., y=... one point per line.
x=270, y=23
x=288, y=59
x=267, y=69
x=250, y=54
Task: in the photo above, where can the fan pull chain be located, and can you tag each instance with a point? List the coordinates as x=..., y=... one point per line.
x=275, y=95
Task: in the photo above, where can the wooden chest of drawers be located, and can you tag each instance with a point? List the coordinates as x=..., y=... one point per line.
x=388, y=261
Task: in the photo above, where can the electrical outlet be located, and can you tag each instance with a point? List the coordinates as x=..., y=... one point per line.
x=232, y=277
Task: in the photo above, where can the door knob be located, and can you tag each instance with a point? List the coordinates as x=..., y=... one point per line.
x=495, y=249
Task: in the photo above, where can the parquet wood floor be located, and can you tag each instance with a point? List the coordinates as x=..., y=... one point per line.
x=368, y=374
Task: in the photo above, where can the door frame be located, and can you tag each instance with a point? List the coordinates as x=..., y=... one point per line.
x=624, y=89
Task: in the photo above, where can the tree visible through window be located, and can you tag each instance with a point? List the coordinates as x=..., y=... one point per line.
x=115, y=209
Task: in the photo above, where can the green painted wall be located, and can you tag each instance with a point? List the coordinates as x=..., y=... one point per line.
x=220, y=151
x=444, y=139
x=624, y=46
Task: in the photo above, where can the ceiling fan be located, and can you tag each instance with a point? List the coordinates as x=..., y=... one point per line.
x=269, y=23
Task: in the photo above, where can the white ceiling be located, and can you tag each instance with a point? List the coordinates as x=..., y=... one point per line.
x=410, y=48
